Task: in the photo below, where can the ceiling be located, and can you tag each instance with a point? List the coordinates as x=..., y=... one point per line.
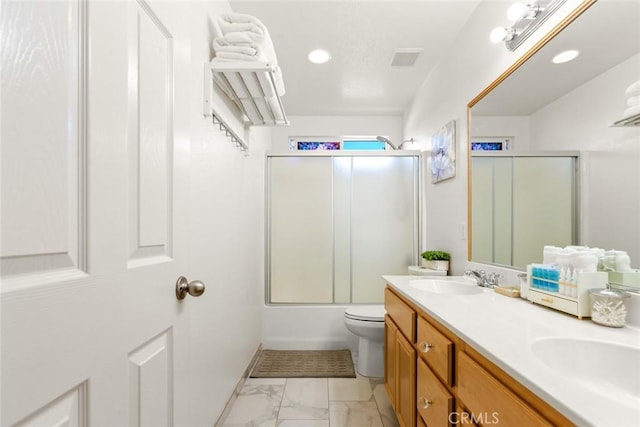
x=361, y=37
x=607, y=34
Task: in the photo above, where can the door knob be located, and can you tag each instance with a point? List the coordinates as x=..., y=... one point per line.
x=194, y=288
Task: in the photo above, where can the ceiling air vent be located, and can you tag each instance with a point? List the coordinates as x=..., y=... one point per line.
x=405, y=56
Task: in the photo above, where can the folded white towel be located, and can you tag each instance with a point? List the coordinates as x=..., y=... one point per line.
x=240, y=38
x=239, y=22
x=632, y=101
x=239, y=32
x=633, y=89
x=631, y=111
x=248, y=50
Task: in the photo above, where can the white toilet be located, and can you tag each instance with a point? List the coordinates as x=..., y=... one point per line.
x=367, y=322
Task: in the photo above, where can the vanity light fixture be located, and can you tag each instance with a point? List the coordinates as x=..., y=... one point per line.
x=319, y=56
x=566, y=56
x=526, y=18
x=520, y=10
x=501, y=34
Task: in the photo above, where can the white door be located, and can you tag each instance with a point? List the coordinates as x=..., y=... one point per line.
x=94, y=197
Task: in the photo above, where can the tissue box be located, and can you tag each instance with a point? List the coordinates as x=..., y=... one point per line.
x=625, y=278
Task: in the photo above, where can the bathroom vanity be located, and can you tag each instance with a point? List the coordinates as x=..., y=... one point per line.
x=480, y=358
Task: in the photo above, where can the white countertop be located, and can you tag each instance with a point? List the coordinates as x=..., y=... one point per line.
x=503, y=330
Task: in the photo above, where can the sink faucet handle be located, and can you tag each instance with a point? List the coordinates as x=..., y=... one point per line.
x=494, y=279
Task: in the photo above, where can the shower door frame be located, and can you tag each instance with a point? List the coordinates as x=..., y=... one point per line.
x=417, y=215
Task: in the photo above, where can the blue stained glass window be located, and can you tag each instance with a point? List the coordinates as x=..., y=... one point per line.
x=486, y=146
x=318, y=145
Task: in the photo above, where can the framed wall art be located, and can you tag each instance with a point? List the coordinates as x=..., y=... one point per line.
x=443, y=154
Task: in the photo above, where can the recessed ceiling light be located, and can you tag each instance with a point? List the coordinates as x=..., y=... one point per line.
x=319, y=56
x=566, y=56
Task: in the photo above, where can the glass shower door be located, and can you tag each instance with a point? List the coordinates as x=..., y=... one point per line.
x=336, y=223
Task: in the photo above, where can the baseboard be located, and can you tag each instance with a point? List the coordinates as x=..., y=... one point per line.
x=322, y=343
x=236, y=392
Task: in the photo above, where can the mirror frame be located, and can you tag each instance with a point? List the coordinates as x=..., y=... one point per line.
x=524, y=58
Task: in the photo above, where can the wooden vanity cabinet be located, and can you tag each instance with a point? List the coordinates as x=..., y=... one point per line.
x=435, y=379
x=400, y=358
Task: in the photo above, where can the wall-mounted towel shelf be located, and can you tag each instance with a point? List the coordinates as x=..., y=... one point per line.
x=252, y=87
x=629, y=121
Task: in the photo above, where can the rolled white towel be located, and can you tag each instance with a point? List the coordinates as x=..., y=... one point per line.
x=632, y=101
x=248, y=49
x=241, y=37
x=633, y=89
x=244, y=30
x=631, y=111
x=240, y=22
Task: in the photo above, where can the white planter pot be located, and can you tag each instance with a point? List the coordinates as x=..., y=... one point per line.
x=435, y=265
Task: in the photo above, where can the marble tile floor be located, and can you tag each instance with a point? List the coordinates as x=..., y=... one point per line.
x=312, y=402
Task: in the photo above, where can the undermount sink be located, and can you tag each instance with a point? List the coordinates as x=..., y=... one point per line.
x=607, y=368
x=446, y=286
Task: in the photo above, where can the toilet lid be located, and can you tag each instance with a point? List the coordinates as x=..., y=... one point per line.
x=370, y=313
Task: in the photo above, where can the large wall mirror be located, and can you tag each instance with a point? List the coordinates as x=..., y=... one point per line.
x=542, y=107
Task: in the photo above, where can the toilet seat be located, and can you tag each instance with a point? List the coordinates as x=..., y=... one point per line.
x=366, y=313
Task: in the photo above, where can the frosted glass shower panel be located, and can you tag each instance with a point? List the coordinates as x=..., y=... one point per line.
x=491, y=205
x=543, y=205
x=342, y=188
x=521, y=203
x=383, y=222
x=301, y=217
x=337, y=223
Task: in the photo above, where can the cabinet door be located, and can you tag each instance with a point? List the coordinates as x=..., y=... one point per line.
x=390, y=376
x=436, y=350
x=406, y=391
x=434, y=402
x=489, y=400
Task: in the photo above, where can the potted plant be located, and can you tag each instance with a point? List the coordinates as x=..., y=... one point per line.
x=436, y=260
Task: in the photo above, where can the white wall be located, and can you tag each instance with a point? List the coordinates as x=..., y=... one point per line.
x=610, y=189
x=472, y=64
x=518, y=127
x=226, y=239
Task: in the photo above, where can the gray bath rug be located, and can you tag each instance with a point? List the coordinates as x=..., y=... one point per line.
x=304, y=364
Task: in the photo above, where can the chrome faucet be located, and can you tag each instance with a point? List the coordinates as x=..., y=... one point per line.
x=483, y=279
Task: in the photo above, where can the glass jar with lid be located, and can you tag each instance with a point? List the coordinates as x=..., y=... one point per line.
x=609, y=306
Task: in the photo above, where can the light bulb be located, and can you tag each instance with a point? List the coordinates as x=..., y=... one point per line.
x=517, y=11
x=498, y=34
x=319, y=56
x=566, y=56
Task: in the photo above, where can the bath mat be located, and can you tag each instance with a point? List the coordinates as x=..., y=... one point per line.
x=304, y=364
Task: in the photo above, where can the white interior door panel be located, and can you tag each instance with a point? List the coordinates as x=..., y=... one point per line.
x=94, y=189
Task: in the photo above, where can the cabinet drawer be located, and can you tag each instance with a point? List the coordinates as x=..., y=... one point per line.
x=436, y=350
x=401, y=313
x=488, y=399
x=559, y=303
x=434, y=402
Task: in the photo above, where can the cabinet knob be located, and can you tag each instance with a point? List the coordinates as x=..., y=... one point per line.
x=424, y=402
x=425, y=347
